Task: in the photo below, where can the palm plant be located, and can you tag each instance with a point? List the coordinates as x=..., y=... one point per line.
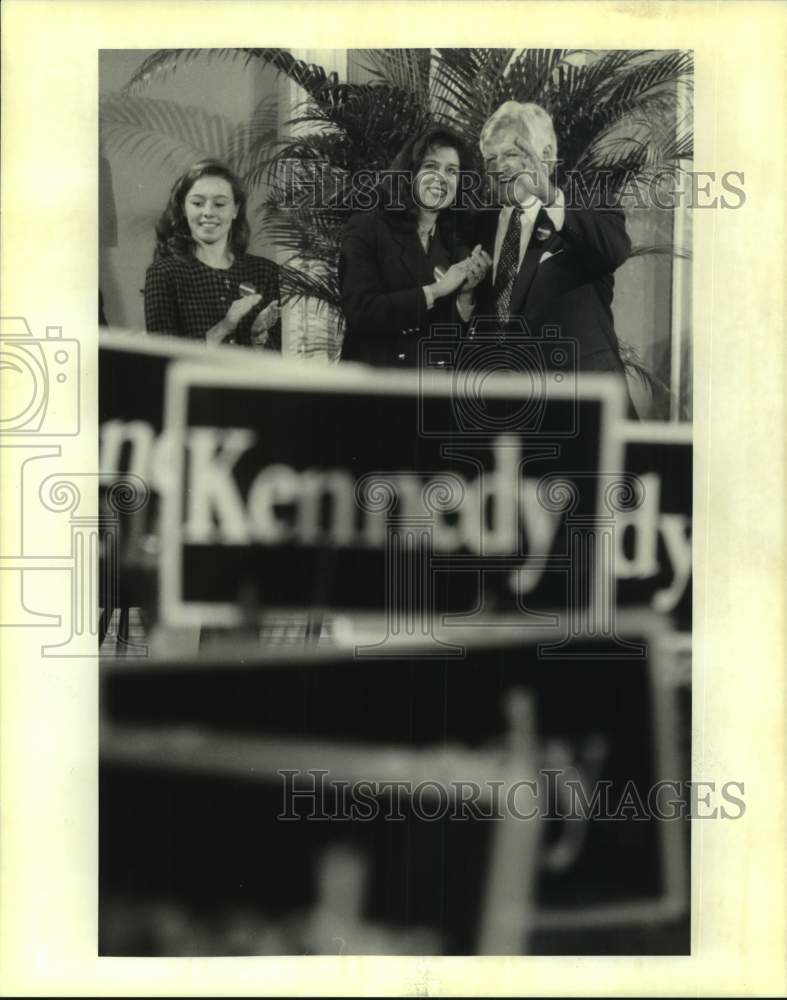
x=617, y=114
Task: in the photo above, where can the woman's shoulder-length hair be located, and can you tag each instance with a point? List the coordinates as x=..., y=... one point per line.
x=173, y=236
x=395, y=196
x=396, y=183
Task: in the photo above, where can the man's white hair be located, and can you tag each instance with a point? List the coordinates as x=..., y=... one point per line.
x=527, y=120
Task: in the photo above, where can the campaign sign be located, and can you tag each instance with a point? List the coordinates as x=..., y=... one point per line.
x=375, y=490
x=653, y=563
x=265, y=767
x=132, y=370
x=134, y=460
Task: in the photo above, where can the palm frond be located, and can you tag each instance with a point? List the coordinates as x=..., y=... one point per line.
x=492, y=75
x=312, y=236
x=163, y=132
x=373, y=119
x=661, y=250
x=469, y=84
x=611, y=96
x=253, y=141
x=407, y=69
x=670, y=69
x=649, y=130
x=312, y=170
x=162, y=63
x=296, y=284
x=596, y=77
x=678, y=143
x=532, y=71
x=452, y=95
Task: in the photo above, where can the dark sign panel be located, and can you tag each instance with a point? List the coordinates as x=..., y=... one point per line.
x=132, y=373
x=334, y=488
x=654, y=530
x=269, y=768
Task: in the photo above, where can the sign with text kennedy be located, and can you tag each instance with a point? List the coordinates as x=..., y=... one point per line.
x=653, y=561
x=384, y=491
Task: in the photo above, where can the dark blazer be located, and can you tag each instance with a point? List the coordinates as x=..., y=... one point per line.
x=572, y=288
x=382, y=271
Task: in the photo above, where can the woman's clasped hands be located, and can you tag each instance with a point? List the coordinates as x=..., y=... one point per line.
x=241, y=307
x=465, y=275
x=476, y=267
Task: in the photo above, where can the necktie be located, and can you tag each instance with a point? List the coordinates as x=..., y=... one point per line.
x=507, y=266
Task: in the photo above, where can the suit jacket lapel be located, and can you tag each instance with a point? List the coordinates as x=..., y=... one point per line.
x=529, y=267
x=487, y=231
x=524, y=278
x=411, y=255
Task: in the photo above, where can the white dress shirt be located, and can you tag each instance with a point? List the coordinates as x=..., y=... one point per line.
x=556, y=212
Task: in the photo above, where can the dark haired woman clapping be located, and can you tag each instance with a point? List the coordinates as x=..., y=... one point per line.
x=202, y=283
x=405, y=265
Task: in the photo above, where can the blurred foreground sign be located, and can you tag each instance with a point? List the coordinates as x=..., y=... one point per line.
x=651, y=519
x=485, y=799
x=132, y=373
x=372, y=490
x=653, y=563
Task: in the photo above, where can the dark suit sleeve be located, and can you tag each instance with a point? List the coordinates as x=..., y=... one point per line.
x=598, y=236
x=484, y=233
x=368, y=307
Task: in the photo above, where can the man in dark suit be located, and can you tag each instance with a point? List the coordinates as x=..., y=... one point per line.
x=553, y=263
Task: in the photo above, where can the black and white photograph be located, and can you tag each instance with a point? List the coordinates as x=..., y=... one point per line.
x=391, y=559
x=395, y=402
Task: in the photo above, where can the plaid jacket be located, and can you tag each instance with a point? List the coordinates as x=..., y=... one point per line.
x=185, y=298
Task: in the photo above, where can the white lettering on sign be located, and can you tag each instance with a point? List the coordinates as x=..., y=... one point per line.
x=492, y=513
x=644, y=526
x=498, y=511
x=215, y=508
x=676, y=532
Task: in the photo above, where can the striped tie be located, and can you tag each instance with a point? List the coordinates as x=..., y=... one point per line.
x=507, y=266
